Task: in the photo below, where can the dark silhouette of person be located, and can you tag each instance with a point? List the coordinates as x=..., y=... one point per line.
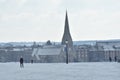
x=115, y=58
x=32, y=61
x=21, y=62
x=110, y=59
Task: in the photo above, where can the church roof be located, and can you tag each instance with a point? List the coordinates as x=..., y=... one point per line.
x=48, y=50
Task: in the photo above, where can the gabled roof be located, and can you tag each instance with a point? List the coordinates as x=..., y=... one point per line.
x=48, y=50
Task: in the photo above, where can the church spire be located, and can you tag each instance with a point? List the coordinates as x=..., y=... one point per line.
x=66, y=24
x=66, y=35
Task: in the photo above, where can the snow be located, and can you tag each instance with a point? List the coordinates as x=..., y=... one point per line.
x=61, y=71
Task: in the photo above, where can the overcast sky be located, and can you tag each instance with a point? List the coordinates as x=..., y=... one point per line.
x=42, y=20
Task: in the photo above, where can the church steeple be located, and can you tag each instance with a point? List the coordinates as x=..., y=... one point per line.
x=66, y=35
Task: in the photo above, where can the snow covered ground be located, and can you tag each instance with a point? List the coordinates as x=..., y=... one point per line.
x=60, y=71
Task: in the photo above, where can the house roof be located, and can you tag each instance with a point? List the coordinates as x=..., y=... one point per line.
x=110, y=46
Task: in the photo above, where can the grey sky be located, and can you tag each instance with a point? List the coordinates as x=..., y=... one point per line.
x=42, y=20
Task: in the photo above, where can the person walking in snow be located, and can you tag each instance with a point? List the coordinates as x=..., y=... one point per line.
x=110, y=59
x=115, y=58
x=21, y=62
x=32, y=61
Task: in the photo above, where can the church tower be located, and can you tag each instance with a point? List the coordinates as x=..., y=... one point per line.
x=66, y=35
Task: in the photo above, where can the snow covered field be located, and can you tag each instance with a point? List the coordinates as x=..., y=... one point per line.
x=60, y=71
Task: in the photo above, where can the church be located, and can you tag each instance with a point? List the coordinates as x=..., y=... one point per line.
x=57, y=53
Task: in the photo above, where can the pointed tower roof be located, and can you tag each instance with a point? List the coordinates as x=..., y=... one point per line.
x=66, y=35
x=66, y=24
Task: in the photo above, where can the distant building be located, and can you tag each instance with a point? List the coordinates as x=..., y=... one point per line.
x=13, y=55
x=111, y=50
x=82, y=53
x=89, y=53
